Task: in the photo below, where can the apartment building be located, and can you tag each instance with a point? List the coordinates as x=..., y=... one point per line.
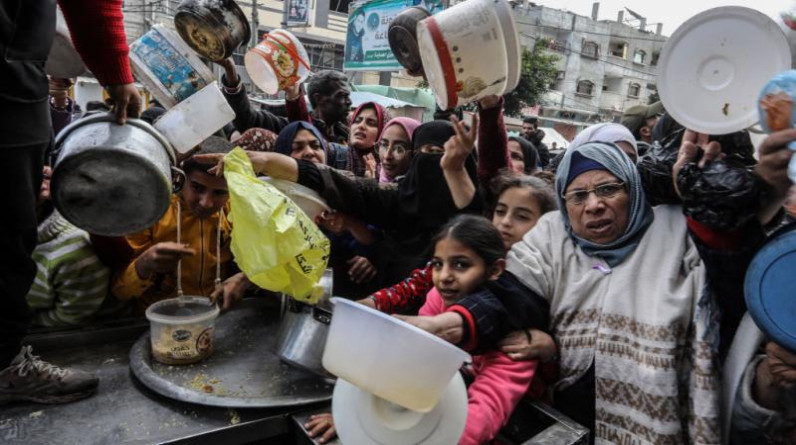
x=604, y=66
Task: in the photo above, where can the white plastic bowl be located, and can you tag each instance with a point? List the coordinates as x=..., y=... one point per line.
x=388, y=357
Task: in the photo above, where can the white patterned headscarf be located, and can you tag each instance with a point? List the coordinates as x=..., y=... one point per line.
x=611, y=133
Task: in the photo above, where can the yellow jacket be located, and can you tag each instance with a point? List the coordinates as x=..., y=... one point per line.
x=198, y=271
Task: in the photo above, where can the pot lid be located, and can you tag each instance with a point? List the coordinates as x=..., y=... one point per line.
x=712, y=68
x=362, y=418
x=769, y=288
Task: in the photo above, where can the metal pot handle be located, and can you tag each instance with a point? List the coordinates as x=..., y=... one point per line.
x=178, y=179
x=321, y=315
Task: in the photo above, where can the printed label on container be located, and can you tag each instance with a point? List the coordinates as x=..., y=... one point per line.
x=170, y=68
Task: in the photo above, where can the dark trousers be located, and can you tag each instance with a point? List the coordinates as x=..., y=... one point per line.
x=20, y=181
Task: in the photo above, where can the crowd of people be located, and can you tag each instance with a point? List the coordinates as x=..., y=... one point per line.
x=596, y=280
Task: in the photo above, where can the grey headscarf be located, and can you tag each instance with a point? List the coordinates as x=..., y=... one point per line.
x=640, y=214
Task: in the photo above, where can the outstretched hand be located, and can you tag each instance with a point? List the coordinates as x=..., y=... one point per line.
x=460, y=145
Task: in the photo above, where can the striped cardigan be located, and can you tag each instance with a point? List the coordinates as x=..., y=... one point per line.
x=71, y=282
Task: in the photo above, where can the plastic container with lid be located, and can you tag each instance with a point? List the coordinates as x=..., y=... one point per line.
x=181, y=329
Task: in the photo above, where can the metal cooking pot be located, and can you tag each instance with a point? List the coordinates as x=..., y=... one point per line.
x=213, y=28
x=63, y=61
x=402, y=36
x=112, y=179
x=302, y=335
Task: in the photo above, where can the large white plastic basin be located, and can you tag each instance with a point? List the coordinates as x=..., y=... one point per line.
x=388, y=357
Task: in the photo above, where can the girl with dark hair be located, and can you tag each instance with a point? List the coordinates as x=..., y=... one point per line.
x=468, y=261
x=521, y=201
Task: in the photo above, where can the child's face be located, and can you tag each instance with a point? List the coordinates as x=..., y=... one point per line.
x=457, y=270
x=515, y=214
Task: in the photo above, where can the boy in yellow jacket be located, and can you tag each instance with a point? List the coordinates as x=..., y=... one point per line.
x=207, y=269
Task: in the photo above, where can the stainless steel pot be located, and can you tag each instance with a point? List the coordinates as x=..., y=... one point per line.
x=112, y=179
x=302, y=335
x=213, y=28
x=402, y=37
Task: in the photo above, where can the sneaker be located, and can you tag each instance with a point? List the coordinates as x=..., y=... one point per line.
x=29, y=378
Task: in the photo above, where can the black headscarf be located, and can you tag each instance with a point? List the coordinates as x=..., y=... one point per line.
x=432, y=133
x=424, y=195
x=529, y=153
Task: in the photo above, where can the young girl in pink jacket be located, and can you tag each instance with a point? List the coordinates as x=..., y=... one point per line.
x=468, y=255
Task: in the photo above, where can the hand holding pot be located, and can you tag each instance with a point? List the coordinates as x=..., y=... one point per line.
x=230, y=72
x=161, y=258
x=126, y=101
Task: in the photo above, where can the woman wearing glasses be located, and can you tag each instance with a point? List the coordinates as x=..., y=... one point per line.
x=395, y=148
x=633, y=317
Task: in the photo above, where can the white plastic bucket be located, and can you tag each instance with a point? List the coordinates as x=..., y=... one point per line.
x=195, y=119
x=277, y=62
x=167, y=66
x=388, y=357
x=470, y=51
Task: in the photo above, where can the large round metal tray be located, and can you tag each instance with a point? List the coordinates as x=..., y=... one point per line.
x=243, y=372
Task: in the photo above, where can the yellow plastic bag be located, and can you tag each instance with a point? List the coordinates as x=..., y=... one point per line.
x=274, y=242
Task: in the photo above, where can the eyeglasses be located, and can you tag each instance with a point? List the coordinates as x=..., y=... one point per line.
x=579, y=197
x=398, y=148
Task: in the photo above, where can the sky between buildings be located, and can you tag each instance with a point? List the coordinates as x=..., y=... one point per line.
x=671, y=13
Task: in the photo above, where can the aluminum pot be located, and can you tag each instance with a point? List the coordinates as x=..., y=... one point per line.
x=63, y=61
x=402, y=36
x=213, y=28
x=302, y=335
x=112, y=179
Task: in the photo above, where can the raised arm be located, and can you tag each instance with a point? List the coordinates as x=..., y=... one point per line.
x=457, y=149
x=493, y=152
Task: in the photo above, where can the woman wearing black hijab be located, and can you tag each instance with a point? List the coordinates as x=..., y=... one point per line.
x=410, y=211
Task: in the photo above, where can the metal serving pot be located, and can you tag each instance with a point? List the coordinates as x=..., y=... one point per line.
x=302, y=335
x=213, y=28
x=402, y=36
x=112, y=179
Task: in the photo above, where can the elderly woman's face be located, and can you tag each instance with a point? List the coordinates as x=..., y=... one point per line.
x=602, y=216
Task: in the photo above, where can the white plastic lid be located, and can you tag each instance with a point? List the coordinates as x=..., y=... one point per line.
x=362, y=418
x=714, y=65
